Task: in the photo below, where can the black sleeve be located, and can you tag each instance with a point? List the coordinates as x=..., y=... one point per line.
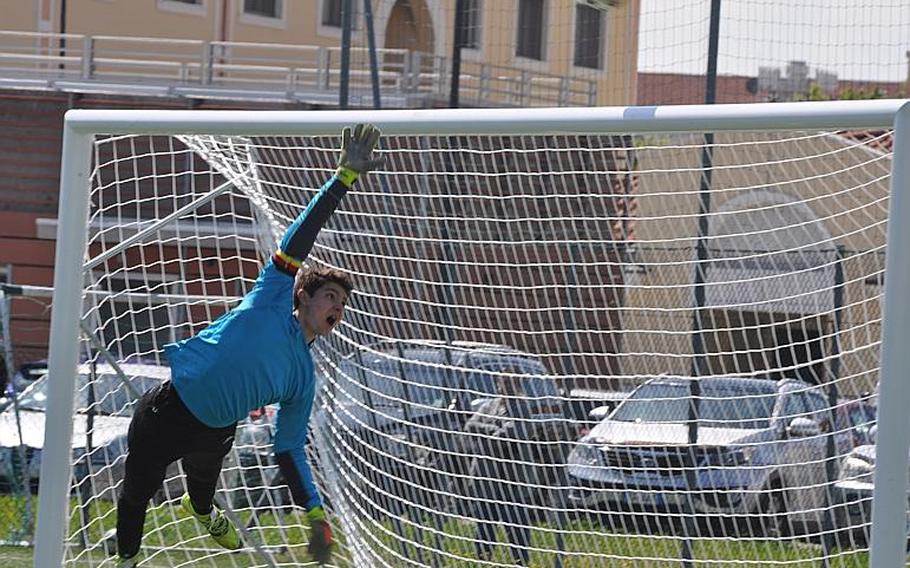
x=296, y=481
x=300, y=236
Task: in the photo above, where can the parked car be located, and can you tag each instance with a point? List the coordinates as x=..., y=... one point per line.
x=27, y=374
x=396, y=410
x=760, y=454
x=250, y=472
x=587, y=407
x=102, y=411
x=860, y=415
x=853, y=496
x=24, y=376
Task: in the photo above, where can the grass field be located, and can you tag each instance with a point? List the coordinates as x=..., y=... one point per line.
x=15, y=557
x=587, y=546
x=19, y=557
x=624, y=552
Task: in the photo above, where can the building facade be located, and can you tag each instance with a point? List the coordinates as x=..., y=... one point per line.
x=515, y=52
x=56, y=55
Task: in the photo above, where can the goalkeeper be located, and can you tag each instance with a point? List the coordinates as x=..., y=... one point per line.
x=255, y=355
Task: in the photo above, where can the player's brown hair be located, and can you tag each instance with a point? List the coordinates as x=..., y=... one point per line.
x=314, y=278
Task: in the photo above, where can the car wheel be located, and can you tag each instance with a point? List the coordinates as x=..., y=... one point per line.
x=773, y=520
x=850, y=531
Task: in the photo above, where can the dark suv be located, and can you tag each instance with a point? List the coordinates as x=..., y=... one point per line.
x=392, y=415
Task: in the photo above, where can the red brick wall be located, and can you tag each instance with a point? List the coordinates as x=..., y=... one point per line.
x=30, y=261
x=31, y=133
x=29, y=179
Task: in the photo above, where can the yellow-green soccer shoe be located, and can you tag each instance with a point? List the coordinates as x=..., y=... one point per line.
x=216, y=523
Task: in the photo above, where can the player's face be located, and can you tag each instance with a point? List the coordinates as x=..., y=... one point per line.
x=321, y=312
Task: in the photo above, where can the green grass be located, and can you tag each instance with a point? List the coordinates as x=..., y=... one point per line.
x=622, y=551
x=15, y=557
x=588, y=545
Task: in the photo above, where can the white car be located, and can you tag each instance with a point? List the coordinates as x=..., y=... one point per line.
x=103, y=406
x=853, y=496
x=760, y=454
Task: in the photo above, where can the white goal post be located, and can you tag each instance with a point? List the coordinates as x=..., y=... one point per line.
x=500, y=151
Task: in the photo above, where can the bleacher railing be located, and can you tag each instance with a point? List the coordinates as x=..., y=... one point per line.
x=243, y=70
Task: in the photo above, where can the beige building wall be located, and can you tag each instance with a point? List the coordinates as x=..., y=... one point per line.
x=419, y=25
x=148, y=18
x=30, y=15
x=843, y=188
x=616, y=82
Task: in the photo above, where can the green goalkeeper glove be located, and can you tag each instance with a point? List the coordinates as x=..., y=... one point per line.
x=357, y=152
x=321, y=543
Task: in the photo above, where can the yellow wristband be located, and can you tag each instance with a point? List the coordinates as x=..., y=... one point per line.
x=347, y=176
x=316, y=514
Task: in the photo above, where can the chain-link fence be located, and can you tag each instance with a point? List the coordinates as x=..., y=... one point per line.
x=23, y=321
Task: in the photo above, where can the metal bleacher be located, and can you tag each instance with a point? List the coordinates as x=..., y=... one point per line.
x=264, y=72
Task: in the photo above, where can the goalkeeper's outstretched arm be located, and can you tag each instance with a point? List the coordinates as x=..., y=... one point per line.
x=356, y=159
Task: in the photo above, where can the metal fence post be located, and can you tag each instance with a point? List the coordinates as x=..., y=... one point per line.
x=205, y=64
x=524, y=87
x=416, y=65
x=323, y=64
x=292, y=81
x=563, y=91
x=592, y=93
x=88, y=57
x=405, y=71
x=484, y=84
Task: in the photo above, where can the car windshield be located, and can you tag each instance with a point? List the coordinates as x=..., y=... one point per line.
x=391, y=383
x=105, y=395
x=727, y=405
x=533, y=384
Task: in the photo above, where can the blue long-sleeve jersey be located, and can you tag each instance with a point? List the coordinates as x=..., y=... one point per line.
x=256, y=354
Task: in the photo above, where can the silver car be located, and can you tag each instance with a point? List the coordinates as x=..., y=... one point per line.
x=853, y=496
x=102, y=411
x=760, y=454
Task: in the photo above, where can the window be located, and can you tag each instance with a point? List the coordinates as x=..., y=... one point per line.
x=393, y=384
x=794, y=407
x=589, y=26
x=818, y=408
x=262, y=8
x=725, y=406
x=530, y=29
x=196, y=7
x=331, y=13
x=472, y=22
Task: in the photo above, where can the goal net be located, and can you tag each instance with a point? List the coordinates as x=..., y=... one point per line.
x=639, y=345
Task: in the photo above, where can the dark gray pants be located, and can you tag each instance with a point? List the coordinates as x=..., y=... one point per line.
x=516, y=522
x=162, y=431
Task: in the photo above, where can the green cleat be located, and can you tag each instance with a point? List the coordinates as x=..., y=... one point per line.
x=216, y=523
x=128, y=562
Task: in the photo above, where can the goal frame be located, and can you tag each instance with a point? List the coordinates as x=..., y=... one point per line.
x=80, y=126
